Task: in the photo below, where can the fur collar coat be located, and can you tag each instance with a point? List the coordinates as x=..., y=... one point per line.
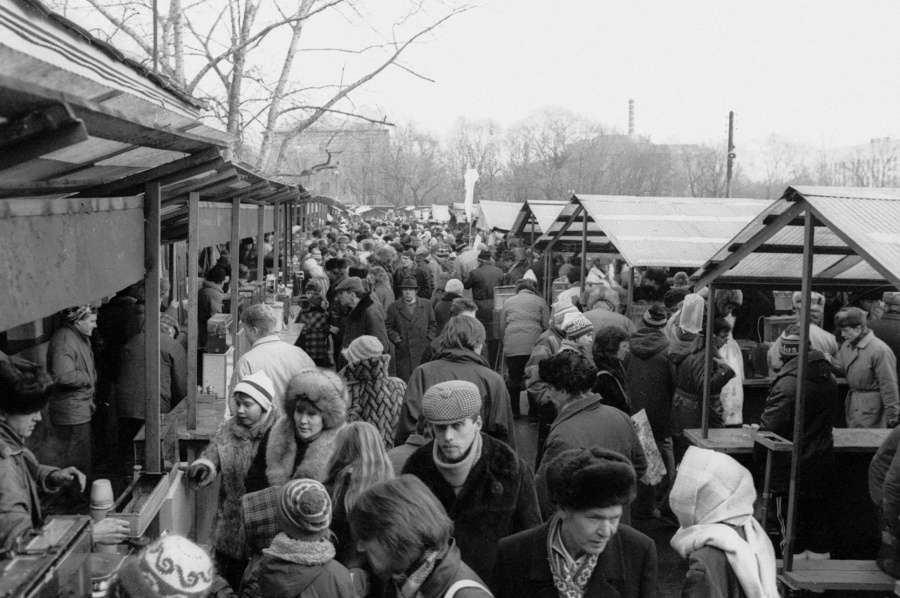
x=288, y=459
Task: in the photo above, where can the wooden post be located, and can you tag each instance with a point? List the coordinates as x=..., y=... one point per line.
x=532, y=230
x=260, y=243
x=708, y=360
x=193, y=293
x=584, y=227
x=235, y=274
x=803, y=355
x=275, y=244
x=630, y=300
x=170, y=274
x=152, y=206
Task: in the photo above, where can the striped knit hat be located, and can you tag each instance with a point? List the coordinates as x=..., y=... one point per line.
x=304, y=509
x=576, y=326
x=451, y=401
x=258, y=386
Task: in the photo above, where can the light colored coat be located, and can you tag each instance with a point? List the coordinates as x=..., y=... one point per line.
x=524, y=317
x=871, y=371
x=70, y=360
x=280, y=361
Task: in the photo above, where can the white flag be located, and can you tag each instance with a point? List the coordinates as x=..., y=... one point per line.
x=471, y=177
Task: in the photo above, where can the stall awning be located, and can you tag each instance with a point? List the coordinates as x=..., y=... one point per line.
x=497, y=214
x=675, y=232
x=542, y=212
x=440, y=213
x=567, y=229
x=856, y=241
x=56, y=253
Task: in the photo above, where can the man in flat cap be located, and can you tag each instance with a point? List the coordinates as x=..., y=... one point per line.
x=487, y=490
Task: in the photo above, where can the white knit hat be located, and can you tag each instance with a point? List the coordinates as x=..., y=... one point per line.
x=258, y=386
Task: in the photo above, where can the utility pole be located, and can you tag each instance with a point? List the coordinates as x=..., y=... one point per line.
x=729, y=164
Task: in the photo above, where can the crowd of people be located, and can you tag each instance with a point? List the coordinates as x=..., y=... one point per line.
x=380, y=454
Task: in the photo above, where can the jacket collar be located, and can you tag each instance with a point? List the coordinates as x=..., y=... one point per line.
x=864, y=340
x=11, y=444
x=461, y=356
x=573, y=408
x=610, y=565
x=272, y=338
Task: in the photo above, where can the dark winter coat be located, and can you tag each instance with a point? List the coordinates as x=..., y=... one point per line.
x=230, y=454
x=21, y=476
x=884, y=478
x=524, y=317
x=587, y=422
x=710, y=576
x=497, y=499
x=366, y=318
x=817, y=444
x=516, y=272
x=887, y=328
x=625, y=569
x=375, y=397
x=131, y=391
x=70, y=361
x=448, y=570
x=209, y=303
x=687, y=373
x=649, y=378
x=482, y=281
x=611, y=385
x=283, y=573
x=459, y=364
x=442, y=310
x=411, y=328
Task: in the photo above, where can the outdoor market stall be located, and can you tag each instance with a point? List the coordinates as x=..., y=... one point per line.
x=822, y=237
x=499, y=215
x=534, y=218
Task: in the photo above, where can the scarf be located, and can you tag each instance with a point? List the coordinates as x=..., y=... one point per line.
x=301, y=552
x=456, y=473
x=570, y=576
x=408, y=585
x=753, y=560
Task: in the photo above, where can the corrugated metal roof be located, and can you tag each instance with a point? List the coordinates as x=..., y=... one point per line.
x=597, y=241
x=497, y=214
x=856, y=239
x=544, y=213
x=670, y=231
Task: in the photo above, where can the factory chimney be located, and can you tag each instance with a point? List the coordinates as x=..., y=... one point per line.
x=631, y=118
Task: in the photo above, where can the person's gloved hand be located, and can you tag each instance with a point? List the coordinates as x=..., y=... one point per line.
x=200, y=474
x=67, y=477
x=110, y=531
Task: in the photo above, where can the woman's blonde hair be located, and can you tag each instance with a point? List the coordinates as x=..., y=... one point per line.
x=359, y=461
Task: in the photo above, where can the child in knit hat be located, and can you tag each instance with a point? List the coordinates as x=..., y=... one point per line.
x=237, y=454
x=171, y=567
x=300, y=561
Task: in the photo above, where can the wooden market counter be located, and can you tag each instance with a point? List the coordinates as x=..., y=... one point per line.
x=736, y=441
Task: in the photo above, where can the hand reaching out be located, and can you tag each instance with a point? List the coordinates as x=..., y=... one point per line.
x=69, y=476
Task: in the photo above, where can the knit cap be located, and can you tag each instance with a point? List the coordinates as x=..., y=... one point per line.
x=258, y=386
x=454, y=285
x=304, y=509
x=451, y=401
x=560, y=310
x=171, y=567
x=789, y=342
x=655, y=316
x=576, y=326
x=362, y=348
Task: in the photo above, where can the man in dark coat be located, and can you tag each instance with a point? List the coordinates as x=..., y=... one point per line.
x=487, y=490
x=887, y=327
x=482, y=281
x=459, y=358
x=364, y=315
x=649, y=381
x=814, y=482
x=521, y=263
x=583, y=550
x=410, y=326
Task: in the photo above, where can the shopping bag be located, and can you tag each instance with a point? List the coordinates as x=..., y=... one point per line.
x=656, y=469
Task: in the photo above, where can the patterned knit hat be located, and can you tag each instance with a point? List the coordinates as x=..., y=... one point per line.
x=258, y=386
x=576, y=326
x=789, y=342
x=171, y=567
x=559, y=310
x=304, y=509
x=362, y=348
x=451, y=401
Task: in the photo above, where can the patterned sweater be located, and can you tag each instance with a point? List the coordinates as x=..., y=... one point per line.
x=375, y=397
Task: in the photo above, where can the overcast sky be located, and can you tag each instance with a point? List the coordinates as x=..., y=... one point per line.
x=822, y=72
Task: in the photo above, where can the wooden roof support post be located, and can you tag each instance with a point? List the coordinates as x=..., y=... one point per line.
x=629, y=301
x=152, y=205
x=708, y=359
x=235, y=285
x=260, y=244
x=193, y=293
x=584, y=231
x=803, y=356
x=275, y=244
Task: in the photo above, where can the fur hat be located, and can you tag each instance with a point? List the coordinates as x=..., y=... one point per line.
x=304, y=509
x=850, y=316
x=655, y=316
x=576, y=325
x=484, y=256
x=322, y=388
x=681, y=281
x=454, y=285
x=818, y=300
x=588, y=478
x=451, y=401
x=24, y=387
x=409, y=282
x=258, y=386
x=173, y=566
x=351, y=283
x=362, y=348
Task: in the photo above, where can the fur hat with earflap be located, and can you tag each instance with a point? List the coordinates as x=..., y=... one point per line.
x=325, y=391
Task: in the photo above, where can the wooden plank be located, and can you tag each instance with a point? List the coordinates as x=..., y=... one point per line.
x=166, y=174
x=234, y=285
x=736, y=441
x=193, y=291
x=260, y=242
x=836, y=575
x=152, y=205
x=776, y=248
x=708, y=359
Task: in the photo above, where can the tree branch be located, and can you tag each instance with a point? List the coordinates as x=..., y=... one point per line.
x=414, y=73
x=374, y=121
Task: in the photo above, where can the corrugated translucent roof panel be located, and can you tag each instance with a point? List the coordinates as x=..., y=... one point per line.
x=670, y=231
x=497, y=214
x=544, y=212
x=598, y=242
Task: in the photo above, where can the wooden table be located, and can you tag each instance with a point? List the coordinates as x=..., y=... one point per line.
x=736, y=441
x=840, y=576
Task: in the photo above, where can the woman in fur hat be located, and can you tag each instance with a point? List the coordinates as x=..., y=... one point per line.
x=237, y=453
x=302, y=440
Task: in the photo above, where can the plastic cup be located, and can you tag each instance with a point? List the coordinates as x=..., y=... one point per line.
x=102, y=494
